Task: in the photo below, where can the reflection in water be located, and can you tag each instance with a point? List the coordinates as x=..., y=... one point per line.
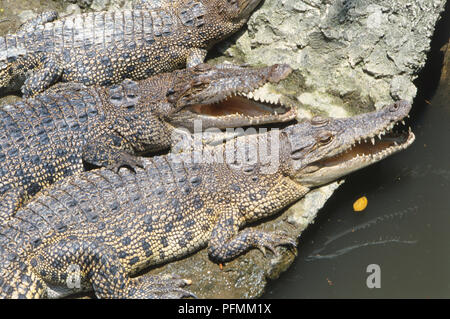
x=350, y=239
x=412, y=247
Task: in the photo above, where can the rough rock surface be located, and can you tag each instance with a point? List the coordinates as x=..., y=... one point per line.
x=349, y=56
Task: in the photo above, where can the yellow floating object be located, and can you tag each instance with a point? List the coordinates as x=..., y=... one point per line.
x=360, y=204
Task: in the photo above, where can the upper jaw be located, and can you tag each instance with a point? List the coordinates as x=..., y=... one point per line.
x=228, y=96
x=359, y=146
x=236, y=110
x=368, y=127
x=226, y=80
x=334, y=168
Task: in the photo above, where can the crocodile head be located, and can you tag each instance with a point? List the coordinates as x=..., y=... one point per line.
x=322, y=150
x=223, y=96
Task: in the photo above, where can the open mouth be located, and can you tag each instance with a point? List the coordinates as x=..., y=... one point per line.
x=240, y=105
x=237, y=110
x=376, y=147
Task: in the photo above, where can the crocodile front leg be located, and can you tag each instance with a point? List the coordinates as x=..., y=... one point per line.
x=227, y=242
x=48, y=73
x=13, y=75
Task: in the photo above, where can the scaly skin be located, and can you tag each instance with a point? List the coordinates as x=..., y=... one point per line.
x=48, y=137
x=104, y=48
x=110, y=226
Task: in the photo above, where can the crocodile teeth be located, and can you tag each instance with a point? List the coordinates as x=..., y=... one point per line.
x=373, y=141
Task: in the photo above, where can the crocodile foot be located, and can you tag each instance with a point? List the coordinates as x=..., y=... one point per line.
x=272, y=240
x=222, y=249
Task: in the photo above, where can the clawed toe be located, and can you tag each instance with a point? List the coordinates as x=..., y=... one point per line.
x=272, y=240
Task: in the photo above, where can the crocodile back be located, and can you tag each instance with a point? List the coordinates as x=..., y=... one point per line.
x=39, y=135
x=93, y=30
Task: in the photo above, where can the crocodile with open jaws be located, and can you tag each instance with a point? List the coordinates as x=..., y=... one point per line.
x=104, y=48
x=56, y=133
x=103, y=227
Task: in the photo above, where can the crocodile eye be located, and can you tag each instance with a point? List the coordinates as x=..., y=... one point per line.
x=325, y=138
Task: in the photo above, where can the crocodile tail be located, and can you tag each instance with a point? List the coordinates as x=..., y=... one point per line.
x=13, y=74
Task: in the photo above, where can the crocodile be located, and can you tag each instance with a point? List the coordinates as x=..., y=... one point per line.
x=104, y=48
x=101, y=228
x=72, y=127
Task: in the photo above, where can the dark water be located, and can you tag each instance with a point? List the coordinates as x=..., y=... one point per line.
x=406, y=226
